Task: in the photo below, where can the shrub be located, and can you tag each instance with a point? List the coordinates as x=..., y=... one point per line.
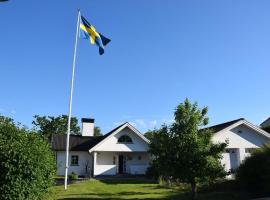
x=26, y=163
x=73, y=176
x=254, y=172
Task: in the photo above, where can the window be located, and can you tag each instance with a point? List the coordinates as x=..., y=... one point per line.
x=74, y=160
x=139, y=157
x=124, y=139
x=249, y=150
x=129, y=158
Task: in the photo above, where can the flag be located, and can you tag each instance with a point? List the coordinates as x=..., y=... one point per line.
x=89, y=31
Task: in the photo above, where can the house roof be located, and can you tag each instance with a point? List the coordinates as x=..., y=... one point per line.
x=219, y=127
x=231, y=124
x=78, y=142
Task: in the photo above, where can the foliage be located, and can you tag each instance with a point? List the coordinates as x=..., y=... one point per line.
x=254, y=172
x=149, y=134
x=73, y=176
x=185, y=152
x=26, y=163
x=97, y=131
x=48, y=125
x=267, y=129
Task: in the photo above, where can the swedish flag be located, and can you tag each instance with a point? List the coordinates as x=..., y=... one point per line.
x=89, y=31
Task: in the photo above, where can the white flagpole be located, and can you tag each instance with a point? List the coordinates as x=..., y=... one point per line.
x=70, y=98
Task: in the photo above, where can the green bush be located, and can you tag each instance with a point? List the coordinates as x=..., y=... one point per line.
x=73, y=176
x=27, y=164
x=254, y=172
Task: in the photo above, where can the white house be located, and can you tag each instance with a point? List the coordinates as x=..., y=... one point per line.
x=243, y=137
x=124, y=149
x=121, y=151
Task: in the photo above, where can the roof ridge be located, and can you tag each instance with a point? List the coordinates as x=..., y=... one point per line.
x=223, y=125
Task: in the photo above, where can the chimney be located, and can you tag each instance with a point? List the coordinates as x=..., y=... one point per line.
x=88, y=127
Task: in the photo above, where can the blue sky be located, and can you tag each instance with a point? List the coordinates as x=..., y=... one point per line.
x=213, y=52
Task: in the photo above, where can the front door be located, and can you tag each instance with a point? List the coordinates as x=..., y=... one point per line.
x=121, y=164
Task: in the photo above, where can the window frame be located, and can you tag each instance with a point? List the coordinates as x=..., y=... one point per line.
x=72, y=163
x=125, y=142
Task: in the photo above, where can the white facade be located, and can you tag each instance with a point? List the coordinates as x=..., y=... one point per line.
x=107, y=163
x=109, y=156
x=112, y=157
x=85, y=162
x=243, y=137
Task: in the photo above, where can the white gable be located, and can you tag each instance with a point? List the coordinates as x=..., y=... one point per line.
x=241, y=136
x=139, y=143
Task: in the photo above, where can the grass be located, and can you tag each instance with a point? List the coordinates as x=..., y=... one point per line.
x=136, y=189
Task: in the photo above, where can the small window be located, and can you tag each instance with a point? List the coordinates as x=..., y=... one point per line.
x=139, y=157
x=74, y=160
x=124, y=139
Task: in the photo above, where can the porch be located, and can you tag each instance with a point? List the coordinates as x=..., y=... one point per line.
x=113, y=163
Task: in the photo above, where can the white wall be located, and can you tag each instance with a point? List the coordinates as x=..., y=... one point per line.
x=239, y=138
x=105, y=164
x=111, y=144
x=136, y=166
x=84, y=157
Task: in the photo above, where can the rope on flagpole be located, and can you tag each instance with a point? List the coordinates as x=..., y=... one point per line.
x=70, y=98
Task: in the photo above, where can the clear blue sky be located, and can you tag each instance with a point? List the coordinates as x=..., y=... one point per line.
x=213, y=52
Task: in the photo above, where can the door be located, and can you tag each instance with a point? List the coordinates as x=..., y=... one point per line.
x=121, y=164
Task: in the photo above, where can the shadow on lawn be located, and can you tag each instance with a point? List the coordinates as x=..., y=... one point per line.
x=126, y=195
x=127, y=181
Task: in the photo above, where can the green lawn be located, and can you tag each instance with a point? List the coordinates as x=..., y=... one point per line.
x=134, y=189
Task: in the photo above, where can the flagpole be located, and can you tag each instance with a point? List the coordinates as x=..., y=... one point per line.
x=70, y=97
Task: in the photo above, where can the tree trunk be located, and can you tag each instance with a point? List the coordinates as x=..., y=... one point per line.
x=193, y=190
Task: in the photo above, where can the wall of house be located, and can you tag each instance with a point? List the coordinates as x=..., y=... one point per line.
x=84, y=159
x=240, y=138
x=136, y=166
x=111, y=144
x=107, y=163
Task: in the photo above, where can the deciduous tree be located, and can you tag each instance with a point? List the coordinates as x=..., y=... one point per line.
x=184, y=150
x=48, y=125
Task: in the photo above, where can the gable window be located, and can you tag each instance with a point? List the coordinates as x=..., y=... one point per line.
x=75, y=160
x=124, y=139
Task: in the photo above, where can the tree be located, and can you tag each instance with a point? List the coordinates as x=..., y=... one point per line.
x=149, y=134
x=97, y=131
x=48, y=125
x=254, y=172
x=184, y=151
x=26, y=163
x=267, y=129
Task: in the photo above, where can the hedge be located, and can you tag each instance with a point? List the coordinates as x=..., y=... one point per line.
x=27, y=165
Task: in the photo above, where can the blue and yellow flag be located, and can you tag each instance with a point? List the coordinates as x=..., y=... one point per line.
x=89, y=31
